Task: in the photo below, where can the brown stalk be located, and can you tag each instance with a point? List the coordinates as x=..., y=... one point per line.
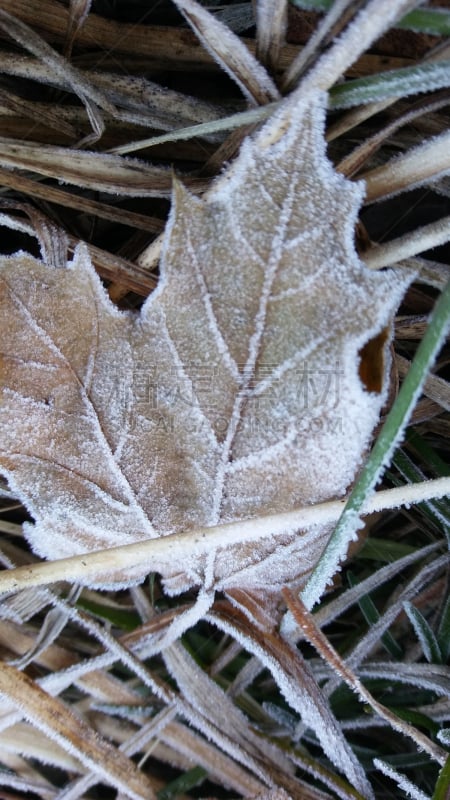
x=52, y=716
x=317, y=638
x=168, y=46
x=52, y=194
x=114, y=268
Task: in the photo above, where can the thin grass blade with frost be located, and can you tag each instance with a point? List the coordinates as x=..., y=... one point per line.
x=233, y=56
x=55, y=719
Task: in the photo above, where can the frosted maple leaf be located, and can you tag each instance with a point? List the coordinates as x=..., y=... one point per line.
x=235, y=392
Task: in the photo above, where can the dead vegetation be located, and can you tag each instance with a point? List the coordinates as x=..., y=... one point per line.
x=91, y=707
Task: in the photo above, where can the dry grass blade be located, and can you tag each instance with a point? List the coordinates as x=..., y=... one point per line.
x=425, y=163
x=429, y=272
x=353, y=118
x=23, y=739
x=79, y=10
x=358, y=115
x=306, y=622
x=161, y=44
x=89, y=675
x=11, y=103
x=54, y=243
x=222, y=719
x=352, y=163
x=108, y=173
x=56, y=720
x=174, y=48
x=296, y=682
x=356, y=659
x=27, y=783
x=112, y=267
x=215, y=705
x=271, y=25
x=419, y=240
x=218, y=765
x=340, y=604
x=231, y=54
x=320, y=37
x=370, y=23
x=158, y=107
x=54, y=622
x=405, y=785
x=134, y=99
x=173, y=743
x=239, y=120
x=184, y=743
x=53, y=240
x=175, y=735
x=31, y=41
x=51, y=194
x=435, y=388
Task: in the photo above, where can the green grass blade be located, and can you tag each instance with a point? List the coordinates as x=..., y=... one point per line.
x=383, y=450
x=435, y=21
x=371, y=615
x=124, y=619
x=442, y=790
x=427, y=453
x=313, y=5
x=427, y=20
x=394, y=83
x=443, y=634
x=182, y=784
x=416, y=718
x=237, y=120
x=425, y=635
x=375, y=549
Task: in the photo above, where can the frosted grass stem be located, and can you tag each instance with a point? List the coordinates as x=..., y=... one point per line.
x=204, y=540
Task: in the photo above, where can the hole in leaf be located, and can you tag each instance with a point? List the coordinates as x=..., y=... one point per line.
x=371, y=365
